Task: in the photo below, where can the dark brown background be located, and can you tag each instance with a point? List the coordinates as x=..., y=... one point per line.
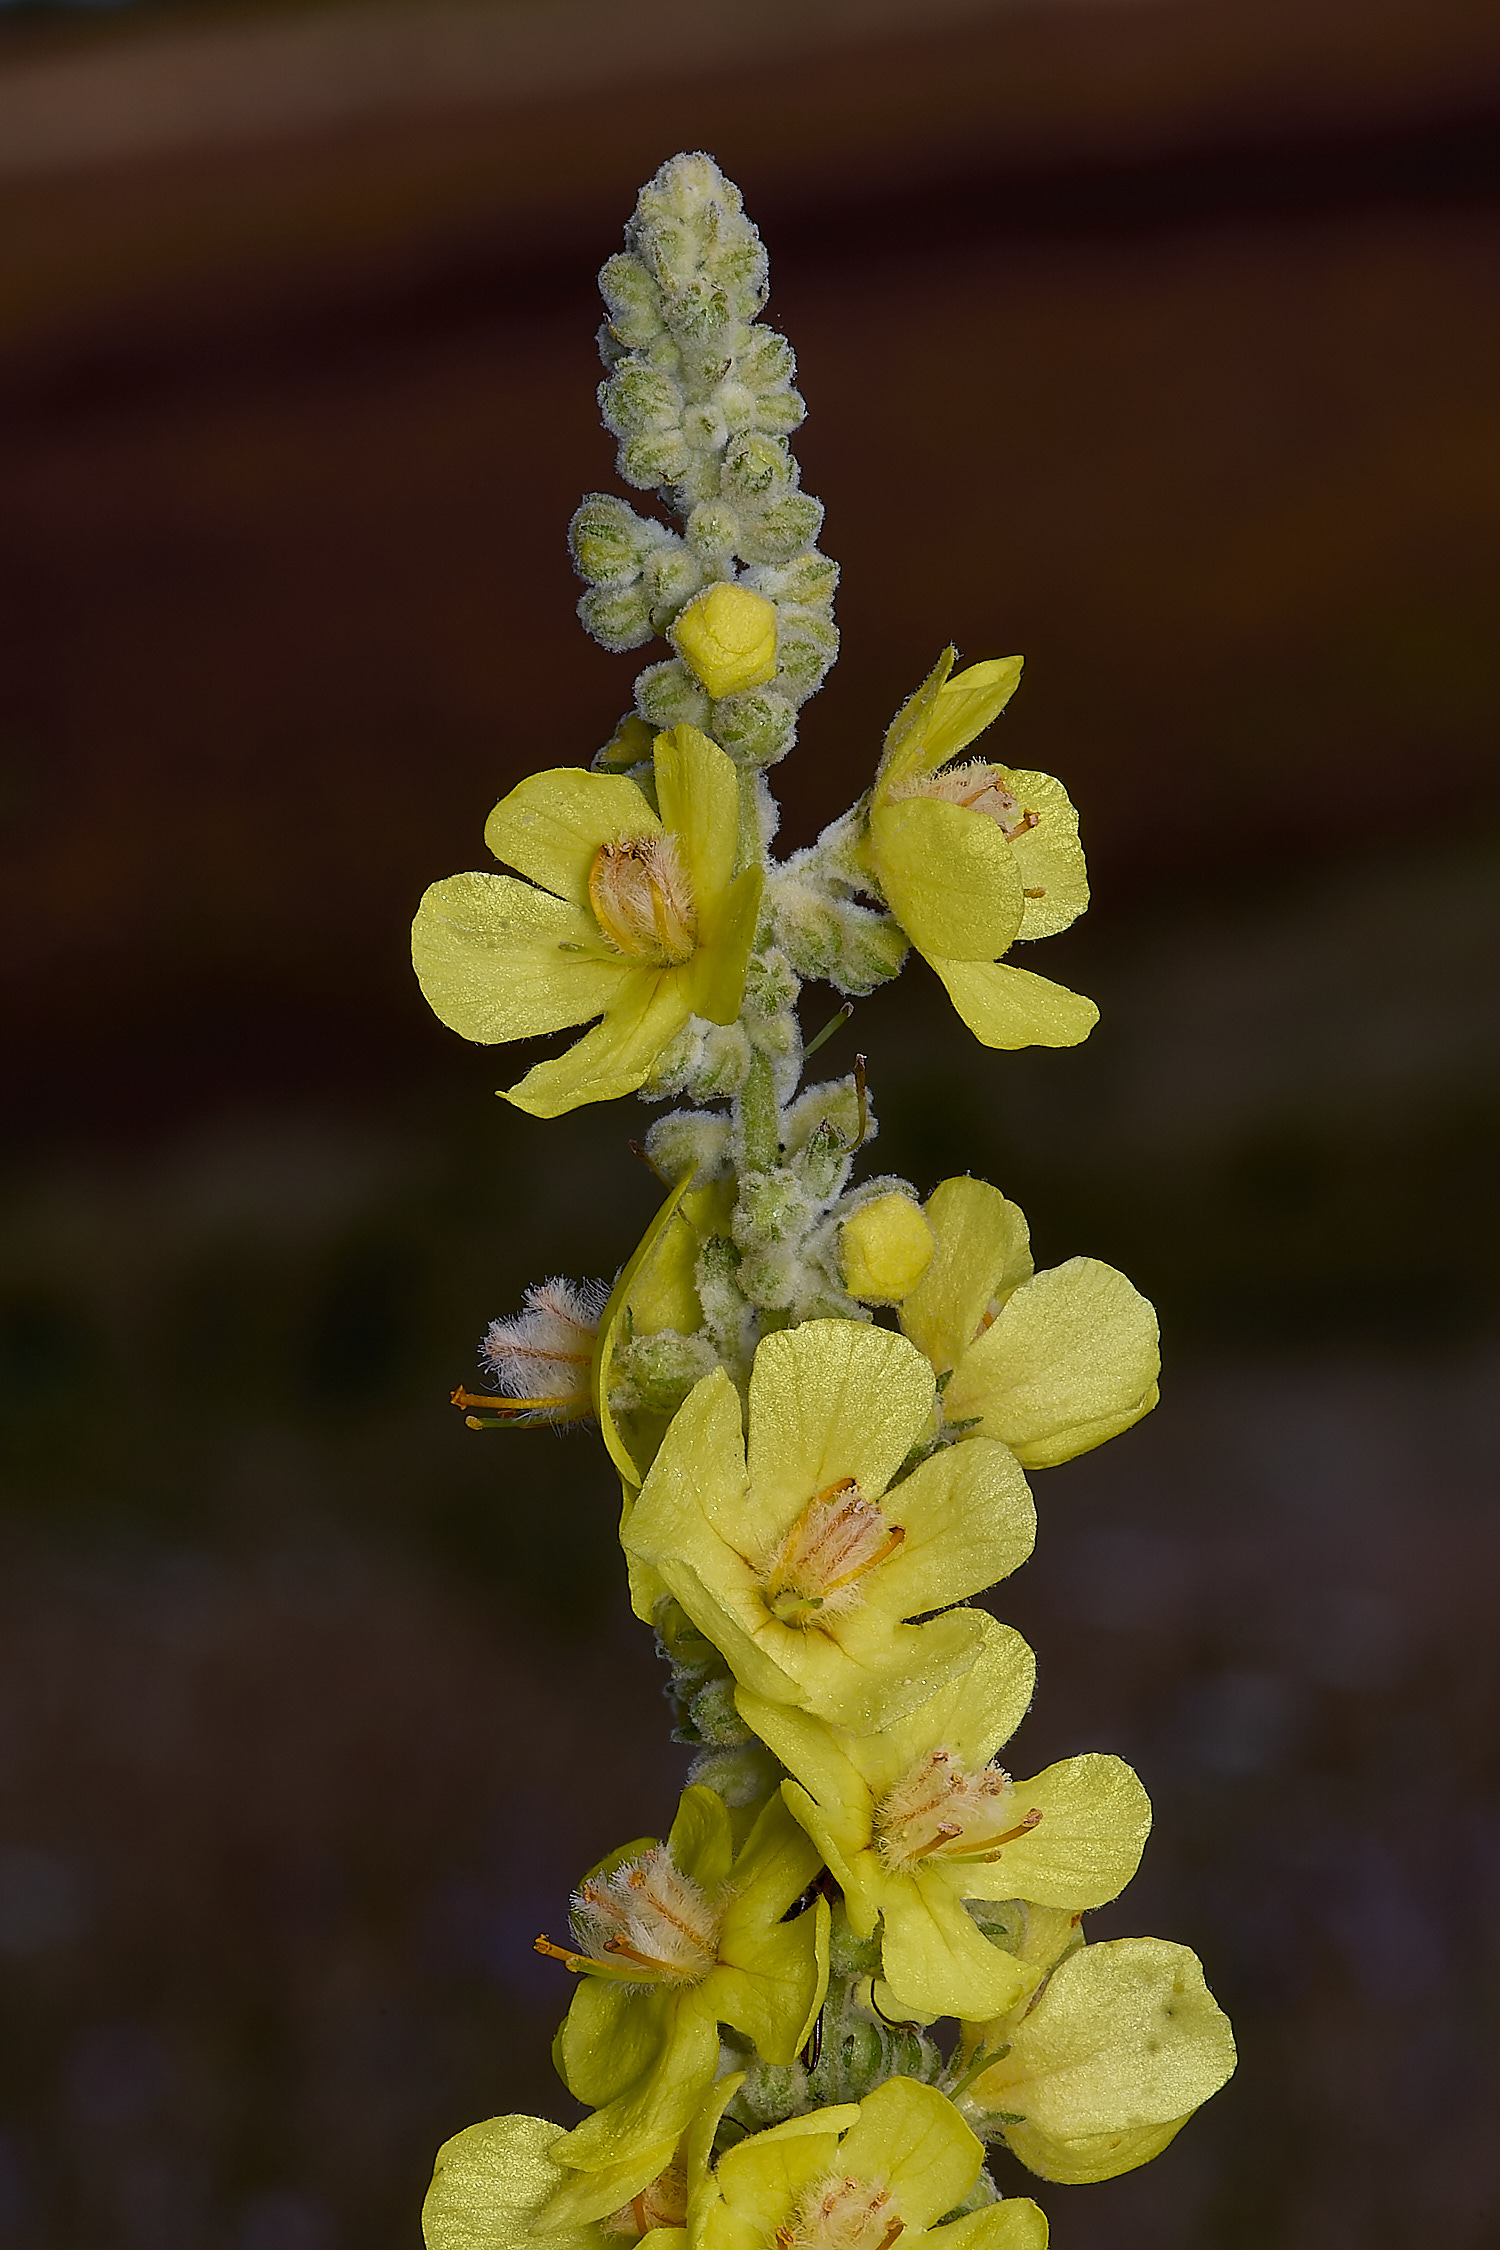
x=1157, y=340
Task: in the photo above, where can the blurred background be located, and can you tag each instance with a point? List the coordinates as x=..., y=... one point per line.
x=1156, y=338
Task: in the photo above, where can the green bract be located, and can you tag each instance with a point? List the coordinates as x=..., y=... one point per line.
x=641, y=2040
x=1097, y=2075
x=801, y=1562
x=1051, y=1363
x=638, y=919
x=913, y=1820
x=853, y=2177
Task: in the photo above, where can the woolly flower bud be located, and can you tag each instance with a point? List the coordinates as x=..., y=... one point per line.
x=668, y=696
x=545, y=1355
x=781, y=528
x=658, y=1371
x=884, y=1250
x=728, y=636
x=756, y=728
x=689, y=1144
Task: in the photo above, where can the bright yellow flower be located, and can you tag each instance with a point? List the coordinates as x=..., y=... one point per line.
x=802, y=1563
x=624, y=915
x=855, y=2177
x=971, y=857
x=915, y=1819
x=671, y=1941
x=1050, y=1363
x=1096, y=2076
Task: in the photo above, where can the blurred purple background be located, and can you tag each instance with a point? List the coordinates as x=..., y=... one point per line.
x=1158, y=341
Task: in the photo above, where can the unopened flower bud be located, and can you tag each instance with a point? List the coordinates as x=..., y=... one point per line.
x=806, y=648
x=657, y=457
x=884, y=1249
x=619, y=617
x=689, y=1144
x=770, y=982
x=713, y=1713
x=728, y=636
x=756, y=728
x=657, y=1371
x=756, y=467
x=871, y=949
x=670, y=576
x=607, y=540
x=779, y=529
x=772, y=1208
x=742, y=1777
x=712, y=530
x=667, y=696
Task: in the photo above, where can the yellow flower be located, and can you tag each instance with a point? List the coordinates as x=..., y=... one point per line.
x=624, y=915
x=971, y=857
x=1050, y=1363
x=1097, y=2075
x=915, y=1819
x=885, y=1247
x=728, y=636
x=672, y=1940
x=802, y=1563
x=493, y=2182
x=854, y=2177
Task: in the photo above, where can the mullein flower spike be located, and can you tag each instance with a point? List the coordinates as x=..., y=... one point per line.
x=822, y=1397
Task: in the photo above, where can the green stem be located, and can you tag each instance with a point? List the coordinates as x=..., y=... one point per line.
x=760, y=1121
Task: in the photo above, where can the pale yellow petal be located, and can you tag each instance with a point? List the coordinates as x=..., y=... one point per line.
x=983, y=1253
x=901, y=753
x=972, y=1715
x=715, y=976
x=1015, y=2224
x=969, y=1522
x=1050, y=858
x=615, y=1057
x=1006, y=1007
x=497, y=959
x=968, y=703
x=1089, y=2157
x=1086, y=1846
x=489, y=2184
x=828, y=1400
x=698, y=790
x=823, y=1760
x=553, y=824
x=949, y=877
x=936, y=1960
x=661, y=1244
x=1070, y=1360
x=1126, y=2035
x=913, y=2137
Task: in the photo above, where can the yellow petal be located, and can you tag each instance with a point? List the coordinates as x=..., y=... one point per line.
x=935, y=1958
x=884, y=1249
x=972, y=1716
x=1069, y=1360
x=698, y=790
x=1086, y=1846
x=828, y=1400
x=949, y=877
x=489, y=2184
x=1050, y=858
x=700, y=1840
x=585, y=2196
x=615, y=1057
x=715, y=976
x=913, y=2137
x=1015, y=2224
x=551, y=826
x=906, y=735
x=1089, y=2156
x=497, y=959
x=983, y=1253
x=1126, y=2035
x=659, y=1244
x=1006, y=1007
x=969, y=1522
x=969, y=702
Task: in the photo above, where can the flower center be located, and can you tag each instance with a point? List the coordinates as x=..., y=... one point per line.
x=643, y=901
x=662, y=2204
x=650, y=1912
x=939, y=1810
x=838, y=1539
x=841, y=2213
x=978, y=788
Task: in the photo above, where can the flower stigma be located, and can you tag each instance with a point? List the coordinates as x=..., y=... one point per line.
x=647, y=1912
x=838, y=1539
x=940, y=1810
x=643, y=901
x=841, y=2213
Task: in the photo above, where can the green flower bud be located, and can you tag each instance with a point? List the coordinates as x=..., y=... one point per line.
x=770, y=983
x=712, y=530
x=737, y=405
x=772, y=1208
x=808, y=926
x=607, y=540
x=979, y=2198
x=632, y=298
x=780, y=412
x=713, y=1713
x=618, y=617
x=785, y=524
x=660, y=1369
x=689, y=1144
x=705, y=429
x=660, y=457
x=757, y=727
x=765, y=361
x=806, y=647
x=699, y=310
x=756, y=467
x=848, y=1955
x=872, y=948
x=667, y=696
x=852, y=2062
x=670, y=577
x=768, y=1276
x=637, y=398
x=723, y=1060
x=771, y=2092
x=742, y=1777
x=809, y=580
